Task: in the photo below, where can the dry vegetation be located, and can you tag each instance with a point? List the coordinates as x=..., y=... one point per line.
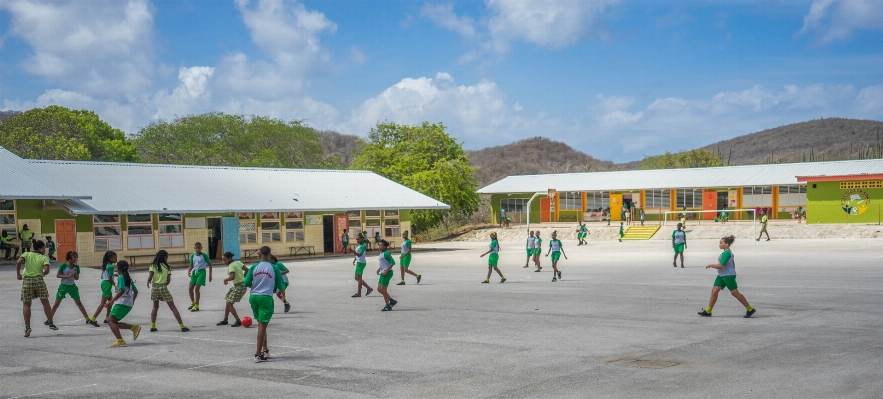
x=7, y=114
x=344, y=145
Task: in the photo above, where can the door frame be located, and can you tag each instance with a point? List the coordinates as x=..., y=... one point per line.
x=55, y=223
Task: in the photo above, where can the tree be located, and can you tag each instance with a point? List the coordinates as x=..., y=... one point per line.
x=221, y=139
x=57, y=132
x=683, y=159
x=426, y=159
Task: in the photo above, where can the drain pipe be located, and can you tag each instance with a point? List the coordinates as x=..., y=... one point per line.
x=528, y=208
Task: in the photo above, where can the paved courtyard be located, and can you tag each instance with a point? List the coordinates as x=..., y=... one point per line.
x=621, y=323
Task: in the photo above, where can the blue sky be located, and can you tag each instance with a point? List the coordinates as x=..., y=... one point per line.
x=614, y=78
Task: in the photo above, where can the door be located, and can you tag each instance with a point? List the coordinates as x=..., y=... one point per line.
x=341, y=224
x=230, y=236
x=328, y=233
x=545, y=216
x=709, y=203
x=215, y=237
x=723, y=200
x=65, y=237
x=615, y=206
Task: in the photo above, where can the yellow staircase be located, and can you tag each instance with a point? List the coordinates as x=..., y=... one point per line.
x=640, y=232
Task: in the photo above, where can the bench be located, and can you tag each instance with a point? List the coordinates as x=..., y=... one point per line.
x=132, y=257
x=247, y=253
x=301, y=248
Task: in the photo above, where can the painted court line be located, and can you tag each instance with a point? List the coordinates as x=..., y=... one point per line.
x=239, y=360
x=229, y=342
x=48, y=392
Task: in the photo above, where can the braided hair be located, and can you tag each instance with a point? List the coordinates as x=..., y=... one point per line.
x=106, y=260
x=123, y=267
x=161, y=260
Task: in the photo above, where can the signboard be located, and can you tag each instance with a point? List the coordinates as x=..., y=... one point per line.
x=314, y=219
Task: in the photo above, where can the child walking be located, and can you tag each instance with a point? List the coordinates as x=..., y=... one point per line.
x=284, y=271
x=556, y=249
x=69, y=273
x=493, y=259
x=198, y=263
x=50, y=247
x=160, y=274
x=235, y=275
x=538, y=249
x=529, y=247
x=763, y=221
x=679, y=244
x=359, y=262
x=263, y=279
x=384, y=270
x=345, y=240
x=726, y=277
x=621, y=231
x=107, y=274
x=122, y=303
x=405, y=259
x=36, y=265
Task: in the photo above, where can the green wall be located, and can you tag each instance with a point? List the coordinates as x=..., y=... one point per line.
x=823, y=204
x=30, y=209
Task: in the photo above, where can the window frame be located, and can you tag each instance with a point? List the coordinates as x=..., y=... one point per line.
x=107, y=239
x=597, y=201
x=273, y=235
x=248, y=227
x=145, y=241
x=657, y=199
x=170, y=236
x=10, y=228
x=570, y=200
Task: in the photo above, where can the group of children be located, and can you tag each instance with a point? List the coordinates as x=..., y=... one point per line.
x=27, y=239
x=384, y=270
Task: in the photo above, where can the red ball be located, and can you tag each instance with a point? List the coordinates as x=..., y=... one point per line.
x=246, y=321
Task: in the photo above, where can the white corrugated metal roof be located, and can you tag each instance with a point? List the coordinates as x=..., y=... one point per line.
x=724, y=176
x=22, y=181
x=151, y=188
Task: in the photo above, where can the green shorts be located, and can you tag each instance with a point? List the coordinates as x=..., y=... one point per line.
x=51, y=251
x=65, y=290
x=360, y=268
x=120, y=311
x=493, y=259
x=261, y=307
x=346, y=244
x=106, y=289
x=581, y=235
x=679, y=248
x=726, y=281
x=384, y=280
x=537, y=251
x=556, y=255
x=529, y=252
x=406, y=261
x=197, y=277
x=33, y=287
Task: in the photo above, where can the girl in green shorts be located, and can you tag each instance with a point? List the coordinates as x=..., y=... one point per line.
x=69, y=273
x=107, y=274
x=556, y=249
x=122, y=303
x=385, y=272
x=160, y=274
x=493, y=259
x=726, y=277
x=360, y=263
x=537, y=250
x=284, y=271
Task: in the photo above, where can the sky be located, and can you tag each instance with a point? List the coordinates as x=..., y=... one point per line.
x=616, y=79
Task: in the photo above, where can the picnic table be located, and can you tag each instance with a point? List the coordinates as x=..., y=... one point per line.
x=309, y=249
x=133, y=257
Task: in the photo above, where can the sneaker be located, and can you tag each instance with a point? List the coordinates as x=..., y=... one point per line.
x=221, y=323
x=105, y=321
x=525, y=266
x=750, y=313
x=195, y=309
x=287, y=307
x=236, y=324
x=136, y=331
x=559, y=275
x=266, y=354
x=190, y=307
x=93, y=323
x=356, y=296
x=402, y=283
x=485, y=281
x=704, y=313
x=767, y=239
x=153, y=329
x=418, y=278
x=682, y=266
x=386, y=308
x=117, y=344
x=46, y=323
x=259, y=358
x=757, y=239
x=536, y=271
x=52, y=326
x=674, y=264
x=502, y=280
x=392, y=302
x=27, y=332
x=554, y=279
x=369, y=292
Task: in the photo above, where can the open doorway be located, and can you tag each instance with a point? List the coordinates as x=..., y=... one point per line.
x=723, y=200
x=214, y=236
x=328, y=233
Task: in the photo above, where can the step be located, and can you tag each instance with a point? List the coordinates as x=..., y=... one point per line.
x=640, y=232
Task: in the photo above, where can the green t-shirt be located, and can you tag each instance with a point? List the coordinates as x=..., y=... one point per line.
x=282, y=268
x=763, y=219
x=26, y=235
x=160, y=273
x=6, y=240
x=235, y=267
x=34, y=262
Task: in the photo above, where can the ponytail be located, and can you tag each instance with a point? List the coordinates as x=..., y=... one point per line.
x=729, y=239
x=106, y=259
x=123, y=267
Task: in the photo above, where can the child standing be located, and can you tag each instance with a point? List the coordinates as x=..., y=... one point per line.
x=198, y=263
x=25, y=235
x=538, y=249
x=284, y=271
x=235, y=273
x=621, y=231
x=122, y=303
x=726, y=277
x=50, y=247
x=69, y=273
x=345, y=240
x=679, y=244
x=36, y=265
x=160, y=274
x=107, y=274
x=556, y=249
x=360, y=264
x=384, y=270
x=529, y=247
x=6, y=243
x=642, y=216
x=493, y=259
x=405, y=259
x=263, y=278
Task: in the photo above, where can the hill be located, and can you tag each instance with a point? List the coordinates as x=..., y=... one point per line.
x=815, y=140
x=343, y=145
x=7, y=114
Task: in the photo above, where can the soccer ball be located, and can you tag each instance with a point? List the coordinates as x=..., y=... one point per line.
x=246, y=321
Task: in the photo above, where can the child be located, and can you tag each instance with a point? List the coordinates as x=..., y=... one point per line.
x=345, y=239
x=800, y=213
x=556, y=249
x=235, y=272
x=50, y=246
x=6, y=243
x=198, y=263
x=69, y=272
x=405, y=259
x=581, y=235
x=107, y=274
x=763, y=222
x=122, y=303
x=684, y=219
x=284, y=271
x=360, y=264
x=384, y=270
x=538, y=249
x=621, y=231
x=36, y=265
x=642, y=216
x=529, y=246
x=263, y=278
x=726, y=277
x=160, y=274
x=493, y=259
x=679, y=244
x=25, y=235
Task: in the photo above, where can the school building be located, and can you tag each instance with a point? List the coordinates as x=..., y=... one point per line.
x=830, y=192
x=138, y=209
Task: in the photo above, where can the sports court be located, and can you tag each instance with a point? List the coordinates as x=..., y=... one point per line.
x=620, y=323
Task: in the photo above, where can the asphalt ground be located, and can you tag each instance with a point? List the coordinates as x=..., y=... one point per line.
x=621, y=323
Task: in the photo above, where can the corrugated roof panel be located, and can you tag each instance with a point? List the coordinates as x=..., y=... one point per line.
x=22, y=181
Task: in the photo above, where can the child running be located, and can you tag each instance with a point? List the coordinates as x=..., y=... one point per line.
x=122, y=303
x=235, y=274
x=581, y=236
x=69, y=273
x=529, y=247
x=198, y=263
x=538, y=249
x=160, y=274
x=284, y=271
x=556, y=249
x=493, y=259
x=360, y=264
x=679, y=243
x=263, y=278
x=50, y=247
x=405, y=259
x=384, y=270
x=107, y=274
x=36, y=265
x=726, y=277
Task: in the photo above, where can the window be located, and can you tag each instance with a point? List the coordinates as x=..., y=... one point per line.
x=513, y=204
x=354, y=214
x=7, y=217
x=757, y=190
x=372, y=214
x=271, y=227
x=848, y=185
x=757, y=196
x=107, y=236
x=354, y=227
x=171, y=230
x=570, y=201
x=139, y=229
x=246, y=216
x=657, y=199
x=247, y=228
x=688, y=198
x=294, y=226
x=391, y=223
x=793, y=189
x=372, y=223
x=597, y=201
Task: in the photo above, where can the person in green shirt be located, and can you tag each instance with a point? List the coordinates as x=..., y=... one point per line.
x=405, y=259
x=556, y=248
x=160, y=274
x=69, y=273
x=198, y=263
x=25, y=235
x=122, y=303
x=235, y=274
x=50, y=248
x=763, y=221
x=107, y=275
x=679, y=244
x=537, y=250
x=493, y=259
x=726, y=277
x=6, y=244
x=284, y=271
x=36, y=265
x=621, y=231
x=360, y=263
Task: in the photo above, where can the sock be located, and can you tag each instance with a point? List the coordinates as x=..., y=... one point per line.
x=708, y=310
x=487, y=279
x=27, y=327
x=749, y=308
x=286, y=302
x=224, y=319
x=403, y=280
x=121, y=340
x=133, y=328
x=503, y=277
x=182, y=325
x=192, y=303
x=152, y=325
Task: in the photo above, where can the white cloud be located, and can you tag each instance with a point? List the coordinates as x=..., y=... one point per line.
x=548, y=23
x=357, y=56
x=837, y=19
x=443, y=15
